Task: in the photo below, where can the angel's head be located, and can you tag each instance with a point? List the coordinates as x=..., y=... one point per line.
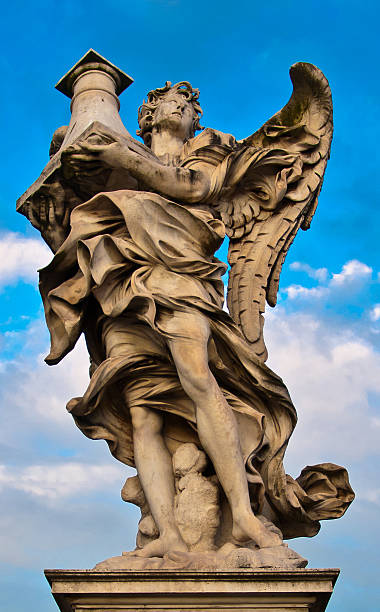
x=172, y=107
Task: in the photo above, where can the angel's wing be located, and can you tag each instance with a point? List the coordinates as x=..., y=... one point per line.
x=276, y=196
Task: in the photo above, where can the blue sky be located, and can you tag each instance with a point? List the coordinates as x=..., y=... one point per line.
x=60, y=491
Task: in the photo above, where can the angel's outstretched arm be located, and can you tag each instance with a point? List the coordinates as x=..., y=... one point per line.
x=175, y=182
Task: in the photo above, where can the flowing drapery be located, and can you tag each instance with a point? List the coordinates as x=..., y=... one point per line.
x=132, y=261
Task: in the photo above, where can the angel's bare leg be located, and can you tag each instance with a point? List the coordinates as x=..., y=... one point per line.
x=217, y=428
x=122, y=337
x=155, y=470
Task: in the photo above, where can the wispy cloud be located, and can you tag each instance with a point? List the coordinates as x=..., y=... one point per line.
x=319, y=274
x=352, y=271
x=63, y=480
x=375, y=313
x=334, y=379
x=296, y=291
x=353, y=276
x=330, y=363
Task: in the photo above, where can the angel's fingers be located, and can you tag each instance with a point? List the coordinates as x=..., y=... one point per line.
x=59, y=206
x=90, y=171
x=71, y=150
x=93, y=148
x=59, y=209
x=82, y=167
x=79, y=157
x=51, y=214
x=31, y=214
x=42, y=211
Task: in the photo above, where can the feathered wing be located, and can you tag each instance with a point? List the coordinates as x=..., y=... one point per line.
x=274, y=179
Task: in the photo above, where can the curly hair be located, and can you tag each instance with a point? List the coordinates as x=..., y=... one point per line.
x=147, y=109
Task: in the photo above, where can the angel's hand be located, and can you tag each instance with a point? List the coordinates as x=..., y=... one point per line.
x=89, y=158
x=49, y=214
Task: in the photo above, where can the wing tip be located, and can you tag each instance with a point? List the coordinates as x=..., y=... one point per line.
x=313, y=74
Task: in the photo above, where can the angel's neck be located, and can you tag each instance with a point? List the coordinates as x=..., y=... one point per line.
x=166, y=145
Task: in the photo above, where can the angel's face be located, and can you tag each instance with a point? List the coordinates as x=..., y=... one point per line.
x=176, y=115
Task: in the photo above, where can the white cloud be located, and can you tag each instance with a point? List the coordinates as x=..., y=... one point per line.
x=348, y=352
x=63, y=480
x=319, y=274
x=295, y=291
x=37, y=393
x=353, y=276
x=352, y=271
x=21, y=257
x=333, y=376
x=375, y=313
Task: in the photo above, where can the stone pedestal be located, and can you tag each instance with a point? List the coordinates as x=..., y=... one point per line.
x=182, y=590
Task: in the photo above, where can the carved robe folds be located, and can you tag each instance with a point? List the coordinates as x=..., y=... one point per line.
x=133, y=263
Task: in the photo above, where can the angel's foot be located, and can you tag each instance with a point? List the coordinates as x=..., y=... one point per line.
x=251, y=528
x=162, y=546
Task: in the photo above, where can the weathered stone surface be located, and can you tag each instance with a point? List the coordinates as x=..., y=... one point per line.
x=228, y=557
x=179, y=388
x=196, y=503
x=232, y=591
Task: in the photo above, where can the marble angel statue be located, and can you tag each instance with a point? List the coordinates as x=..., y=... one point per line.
x=134, y=269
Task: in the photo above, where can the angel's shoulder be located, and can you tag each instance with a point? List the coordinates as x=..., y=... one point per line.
x=209, y=147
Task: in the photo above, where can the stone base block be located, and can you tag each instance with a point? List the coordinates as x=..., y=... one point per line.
x=188, y=591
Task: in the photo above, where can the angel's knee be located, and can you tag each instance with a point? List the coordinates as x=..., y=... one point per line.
x=146, y=420
x=191, y=361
